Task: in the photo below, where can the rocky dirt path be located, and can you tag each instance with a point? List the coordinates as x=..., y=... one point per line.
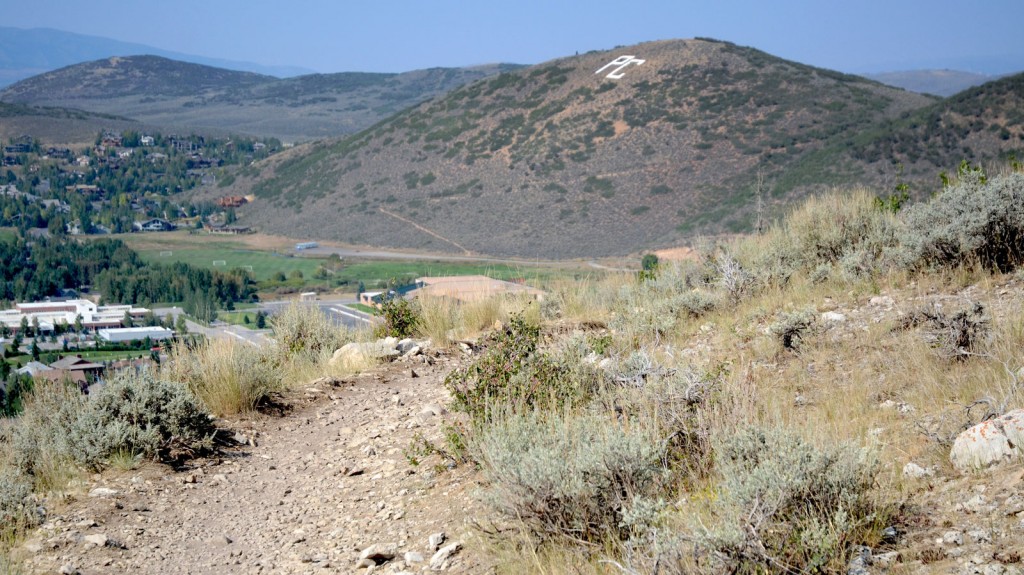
x=309, y=492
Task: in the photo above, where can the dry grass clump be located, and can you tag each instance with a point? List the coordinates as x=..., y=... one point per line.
x=583, y=300
x=844, y=233
x=229, y=377
x=438, y=320
x=303, y=332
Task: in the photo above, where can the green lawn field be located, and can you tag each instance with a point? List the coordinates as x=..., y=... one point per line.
x=375, y=274
x=262, y=264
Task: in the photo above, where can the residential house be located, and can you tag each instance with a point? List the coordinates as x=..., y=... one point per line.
x=58, y=205
x=74, y=369
x=153, y=225
x=231, y=201
x=231, y=230
x=32, y=368
x=58, y=153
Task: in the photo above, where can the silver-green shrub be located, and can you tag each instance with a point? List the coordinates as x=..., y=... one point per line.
x=18, y=510
x=787, y=506
x=975, y=219
x=139, y=414
x=791, y=328
x=651, y=308
x=583, y=478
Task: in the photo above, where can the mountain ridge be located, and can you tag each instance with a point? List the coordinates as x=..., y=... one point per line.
x=160, y=91
x=27, y=52
x=563, y=160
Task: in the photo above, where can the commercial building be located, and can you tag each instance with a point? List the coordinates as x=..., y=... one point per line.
x=50, y=314
x=126, y=334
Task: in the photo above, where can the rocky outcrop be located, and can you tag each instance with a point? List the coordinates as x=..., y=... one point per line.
x=990, y=442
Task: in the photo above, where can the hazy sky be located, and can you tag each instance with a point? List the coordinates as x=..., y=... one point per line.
x=400, y=35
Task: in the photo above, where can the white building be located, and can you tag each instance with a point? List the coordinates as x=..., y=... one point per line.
x=119, y=335
x=50, y=314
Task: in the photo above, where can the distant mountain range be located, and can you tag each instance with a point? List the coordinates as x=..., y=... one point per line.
x=936, y=82
x=28, y=52
x=182, y=95
x=604, y=153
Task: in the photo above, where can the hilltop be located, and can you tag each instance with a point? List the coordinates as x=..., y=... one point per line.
x=578, y=157
x=983, y=125
x=182, y=95
x=27, y=52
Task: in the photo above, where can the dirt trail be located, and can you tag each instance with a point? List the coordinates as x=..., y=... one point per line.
x=321, y=484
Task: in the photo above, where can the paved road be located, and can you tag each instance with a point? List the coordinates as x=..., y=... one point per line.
x=388, y=255
x=334, y=309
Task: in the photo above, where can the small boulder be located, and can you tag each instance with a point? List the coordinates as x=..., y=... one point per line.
x=377, y=553
x=440, y=559
x=405, y=345
x=833, y=317
x=990, y=442
x=97, y=539
x=915, y=471
x=103, y=492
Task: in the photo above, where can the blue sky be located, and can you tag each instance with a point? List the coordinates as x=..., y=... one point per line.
x=400, y=35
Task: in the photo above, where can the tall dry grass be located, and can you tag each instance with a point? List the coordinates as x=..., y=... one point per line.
x=228, y=376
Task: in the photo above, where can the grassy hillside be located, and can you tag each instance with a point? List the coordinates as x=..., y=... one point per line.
x=557, y=160
x=983, y=125
x=179, y=94
x=58, y=125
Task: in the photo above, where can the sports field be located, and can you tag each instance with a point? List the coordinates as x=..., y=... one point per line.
x=258, y=254
x=263, y=265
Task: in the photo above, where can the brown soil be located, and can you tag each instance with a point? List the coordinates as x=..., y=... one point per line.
x=321, y=484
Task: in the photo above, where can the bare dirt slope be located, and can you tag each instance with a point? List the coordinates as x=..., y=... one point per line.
x=321, y=484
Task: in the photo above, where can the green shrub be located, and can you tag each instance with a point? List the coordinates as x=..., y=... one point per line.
x=400, y=318
x=134, y=413
x=652, y=307
x=786, y=506
x=976, y=219
x=791, y=328
x=138, y=414
x=580, y=478
x=512, y=377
